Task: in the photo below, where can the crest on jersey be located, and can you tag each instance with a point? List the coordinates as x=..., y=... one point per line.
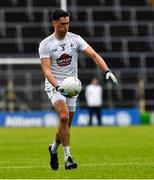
x=64, y=60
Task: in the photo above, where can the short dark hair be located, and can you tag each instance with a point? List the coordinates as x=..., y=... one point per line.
x=58, y=13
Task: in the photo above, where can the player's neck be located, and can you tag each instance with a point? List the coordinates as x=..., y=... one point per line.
x=59, y=37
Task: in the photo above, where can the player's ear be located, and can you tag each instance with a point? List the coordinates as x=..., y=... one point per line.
x=53, y=23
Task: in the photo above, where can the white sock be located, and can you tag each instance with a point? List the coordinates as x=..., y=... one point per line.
x=66, y=152
x=54, y=147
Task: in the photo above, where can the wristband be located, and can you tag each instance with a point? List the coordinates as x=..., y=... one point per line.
x=57, y=87
x=107, y=71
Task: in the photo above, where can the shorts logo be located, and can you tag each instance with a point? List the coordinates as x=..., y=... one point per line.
x=64, y=60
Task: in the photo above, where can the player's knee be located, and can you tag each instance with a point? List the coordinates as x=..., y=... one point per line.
x=64, y=117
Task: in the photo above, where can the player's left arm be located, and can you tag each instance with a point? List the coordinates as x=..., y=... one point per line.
x=101, y=62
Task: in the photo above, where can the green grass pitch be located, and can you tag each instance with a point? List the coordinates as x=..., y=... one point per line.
x=101, y=152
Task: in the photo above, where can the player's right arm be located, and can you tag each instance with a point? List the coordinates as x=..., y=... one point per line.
x=44, y=53
x=46, y=67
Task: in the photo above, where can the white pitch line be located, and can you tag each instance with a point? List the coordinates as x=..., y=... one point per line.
x=83, y=165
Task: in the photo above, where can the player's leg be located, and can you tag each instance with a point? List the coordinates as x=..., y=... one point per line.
x=54, y=97
x=91, y=112
x=69, y=163
x=98, y=114
x=63, y=125
x=57, y=141
x=71, y=115
x=62, y=135
x=58, y=101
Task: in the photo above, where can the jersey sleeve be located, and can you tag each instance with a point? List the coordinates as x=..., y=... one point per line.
x=82, y=44
x=44, y=51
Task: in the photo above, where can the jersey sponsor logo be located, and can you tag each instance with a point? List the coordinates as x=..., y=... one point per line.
x=64, y=60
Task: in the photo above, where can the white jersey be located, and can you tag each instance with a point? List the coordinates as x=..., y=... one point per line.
x=93, y=95
x=63, y=54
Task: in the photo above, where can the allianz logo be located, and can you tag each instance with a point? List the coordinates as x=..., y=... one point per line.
x=21, y=121
x=121, y=118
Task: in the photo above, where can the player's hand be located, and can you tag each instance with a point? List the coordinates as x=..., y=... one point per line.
x=110, y=76
x=61, y=91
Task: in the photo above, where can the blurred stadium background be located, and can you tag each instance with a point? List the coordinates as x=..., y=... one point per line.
x=122, y=31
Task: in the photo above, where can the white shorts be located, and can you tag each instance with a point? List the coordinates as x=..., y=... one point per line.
x=54, y=96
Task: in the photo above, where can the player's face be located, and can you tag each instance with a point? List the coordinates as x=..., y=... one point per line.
x=61, y=26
